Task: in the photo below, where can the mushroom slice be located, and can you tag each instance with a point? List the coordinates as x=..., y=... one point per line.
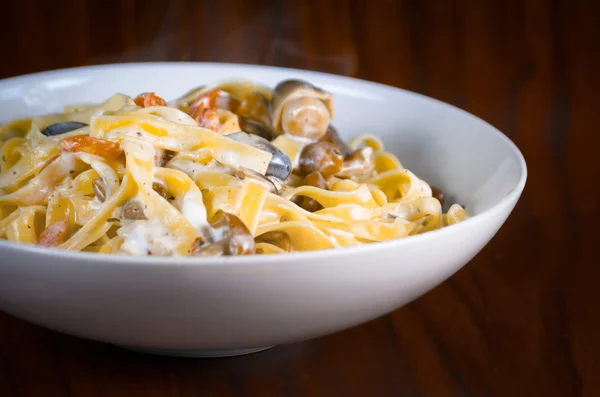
x=133, y=210
x=275, y=184
x=243, y=173
x=255, y=107
x=320, y=156
x=332, y=136
x=255, y=128
x=214, y=249
x=62, y=128
x=280, y=165
x=360, y=163
x=236, y=238
x=315, y=179
x=301, y=109
x=99, y=189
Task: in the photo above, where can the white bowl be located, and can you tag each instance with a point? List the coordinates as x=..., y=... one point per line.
x=233, y=305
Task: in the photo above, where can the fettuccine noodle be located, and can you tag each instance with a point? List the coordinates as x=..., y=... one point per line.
x=146, y=177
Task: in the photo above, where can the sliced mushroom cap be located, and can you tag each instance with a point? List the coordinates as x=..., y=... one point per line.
x=320, y=156
x=275, y=184
x=133, y=210
x=360, y=163
x=315, y=179
x=279, y=184
x=301, y=109
x=62, y=128
x=255, y=128
x=280, y=165
x=99, y=189
x=237, y=239
x=160, y=189
x=332, y=136
x=162, y=156
x=214, y=249
x=255, y=107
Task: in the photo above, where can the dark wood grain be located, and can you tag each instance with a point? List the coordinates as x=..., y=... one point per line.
x=521, y=319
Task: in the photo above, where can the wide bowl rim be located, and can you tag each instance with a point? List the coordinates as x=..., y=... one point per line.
x=219, y=262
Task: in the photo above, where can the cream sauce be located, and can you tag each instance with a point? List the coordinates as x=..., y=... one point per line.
x=147, y=238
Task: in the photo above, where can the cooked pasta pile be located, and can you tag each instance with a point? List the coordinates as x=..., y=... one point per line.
x=229, y=169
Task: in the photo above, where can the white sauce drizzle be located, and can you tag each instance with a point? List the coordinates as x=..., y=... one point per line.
x=147, y=238
x=193, y=209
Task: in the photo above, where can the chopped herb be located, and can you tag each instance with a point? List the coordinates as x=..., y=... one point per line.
x=14, y=172
x=139, y=134
x=172, y=198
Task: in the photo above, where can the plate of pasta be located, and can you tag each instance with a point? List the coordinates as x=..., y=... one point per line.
x=264, y=205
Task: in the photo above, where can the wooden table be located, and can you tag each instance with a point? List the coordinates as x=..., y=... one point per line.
x=521, y=319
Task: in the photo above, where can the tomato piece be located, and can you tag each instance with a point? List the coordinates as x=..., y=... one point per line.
x=88, y=144
x=206, y=100
x=203, y=110
x=147, y=99
x=207, y=118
